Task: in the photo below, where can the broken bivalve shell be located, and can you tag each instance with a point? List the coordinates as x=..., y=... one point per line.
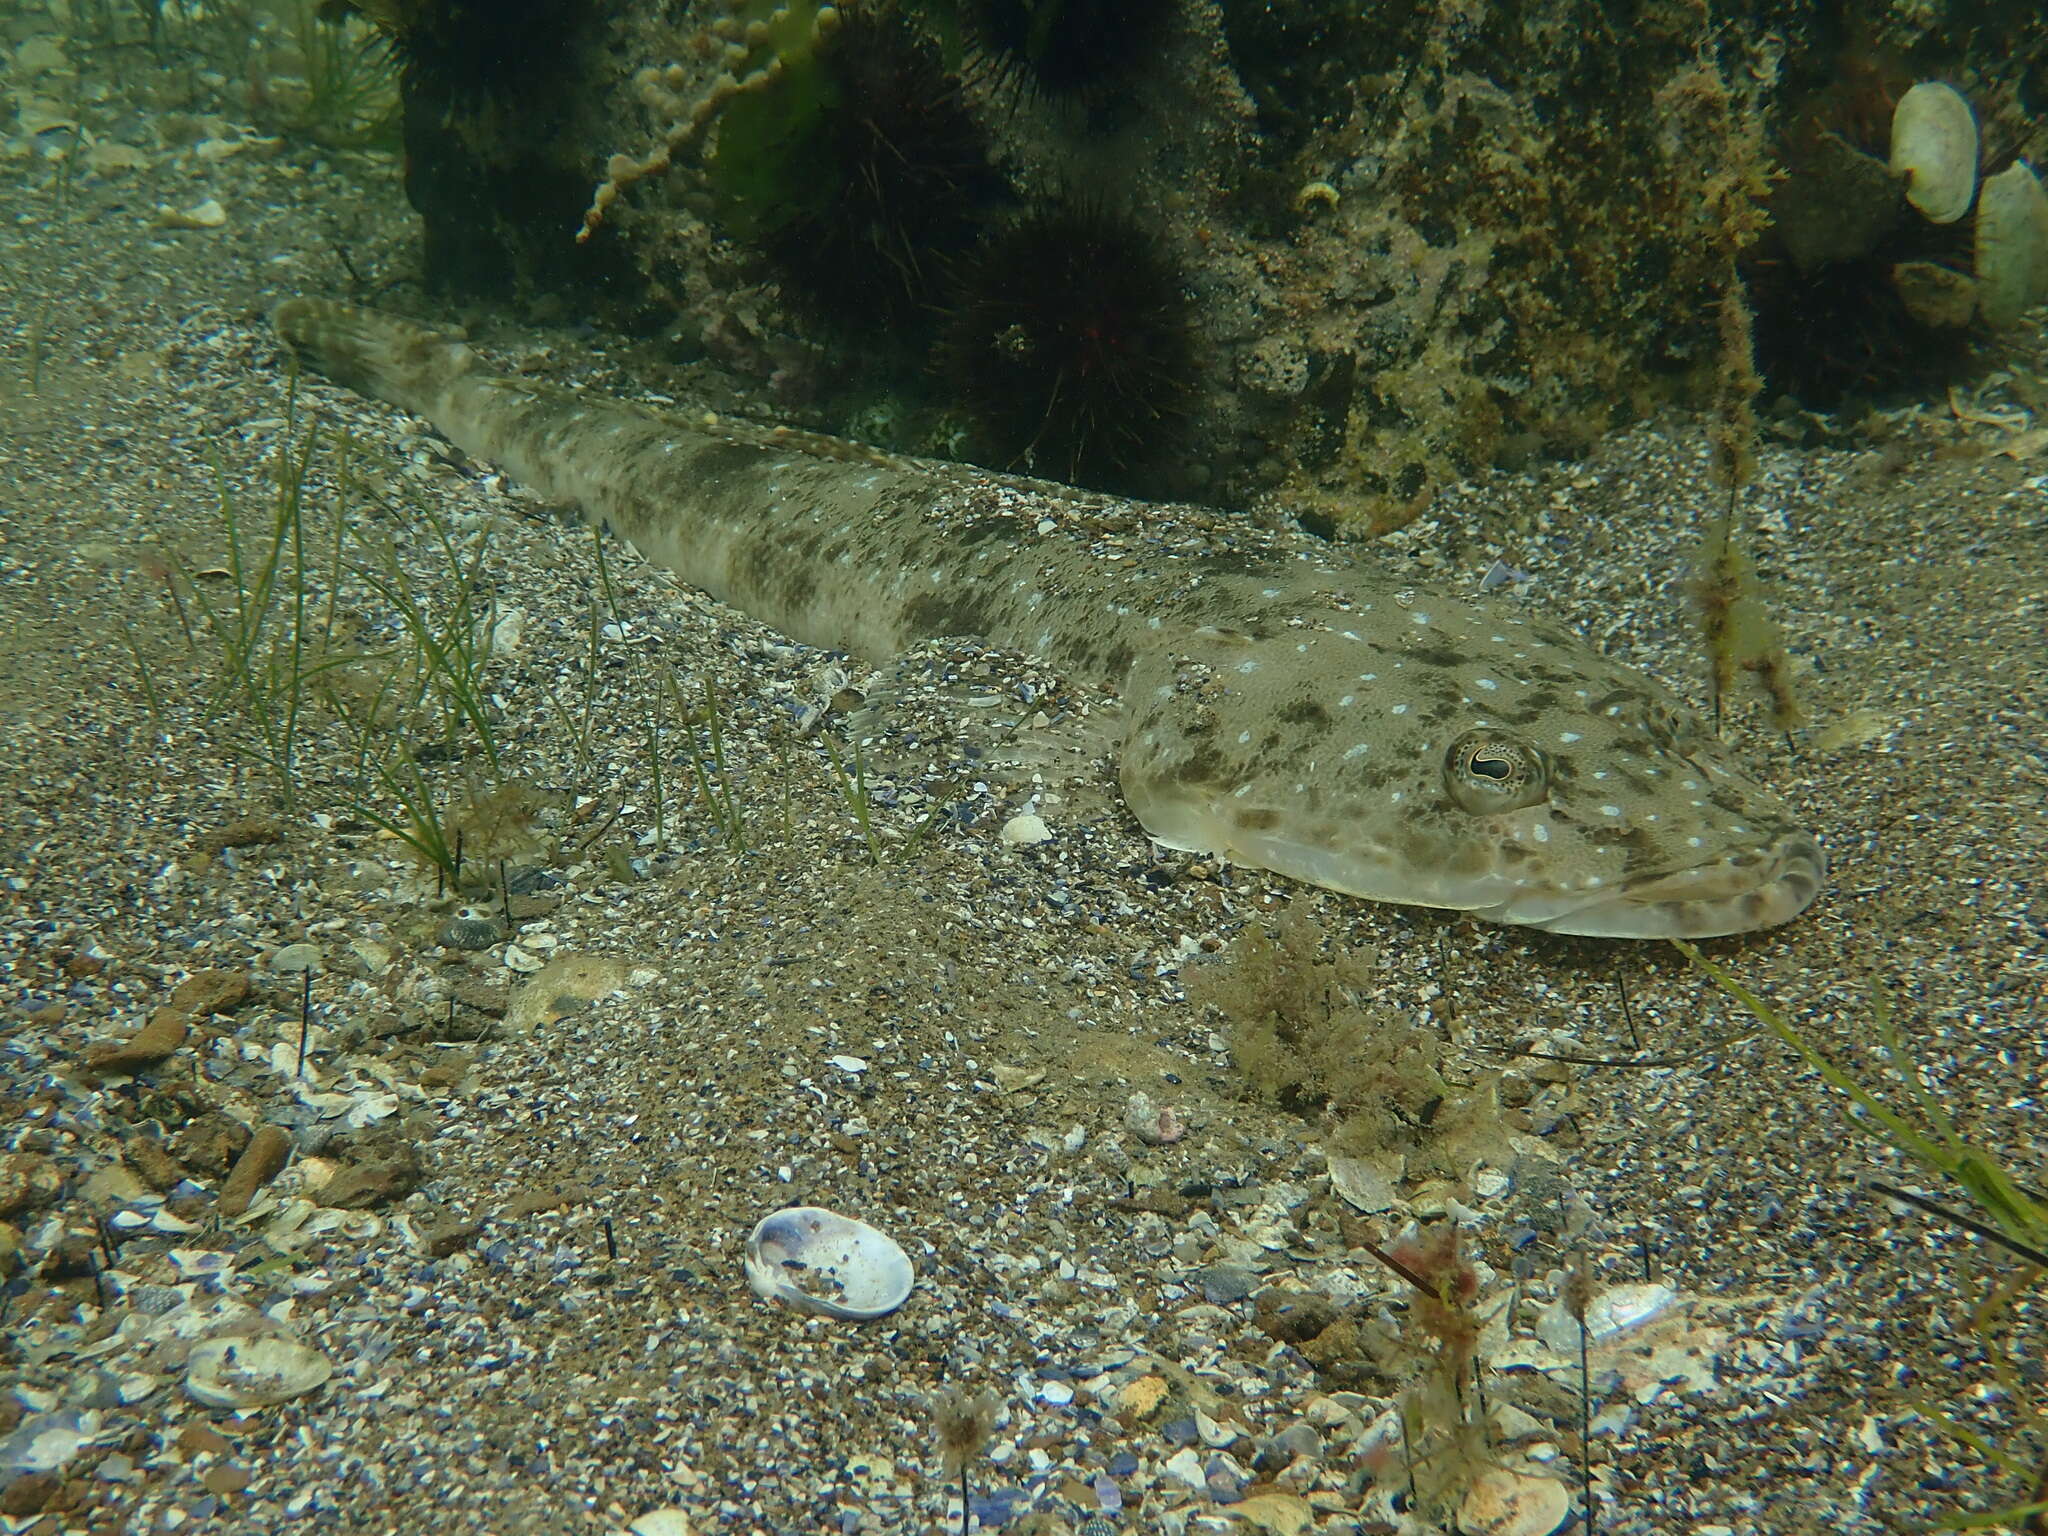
x=816, y=1260
x=2011, y=244
x=1505, y=1503
x=253, y=1373
x=1934, y=147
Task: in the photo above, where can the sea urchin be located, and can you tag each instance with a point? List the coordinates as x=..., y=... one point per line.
x=860, y=170
x=1070, y=344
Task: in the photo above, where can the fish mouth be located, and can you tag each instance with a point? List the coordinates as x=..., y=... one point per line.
x=1704, y=902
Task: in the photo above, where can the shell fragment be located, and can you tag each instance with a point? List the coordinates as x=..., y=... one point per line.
x=819, y=1261
x=2011, y=244
x=253, y=1373
x=1934, y=147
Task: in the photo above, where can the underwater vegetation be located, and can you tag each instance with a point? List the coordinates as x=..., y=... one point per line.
x=1069, y=343
x=346, y=93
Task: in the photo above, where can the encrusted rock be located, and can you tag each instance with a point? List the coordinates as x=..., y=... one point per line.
x=1936, y=295
x=163, y=1034
x=26, y=1182
x=211, y=991
x=158, y=1169
x=257, y=1166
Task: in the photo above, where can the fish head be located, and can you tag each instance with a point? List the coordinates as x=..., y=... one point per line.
x=1438, y=753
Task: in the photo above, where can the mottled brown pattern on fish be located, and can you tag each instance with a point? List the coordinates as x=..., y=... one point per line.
x=1285, y=706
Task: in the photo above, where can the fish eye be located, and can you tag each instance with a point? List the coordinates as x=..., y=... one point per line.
x=1487, y=772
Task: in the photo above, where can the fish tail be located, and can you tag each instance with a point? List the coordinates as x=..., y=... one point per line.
x=372, y=353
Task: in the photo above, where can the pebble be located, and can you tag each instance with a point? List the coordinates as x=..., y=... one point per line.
x=257, y=1166
x=211, y=991
x=157, y=1039
x=1223, y=1284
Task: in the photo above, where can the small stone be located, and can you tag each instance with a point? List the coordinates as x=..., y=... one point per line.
x=223, y=1481
x=362, y=1185
x=1299, y=1440
x=211, y=991
x=27, y=1494
x=1501, y=1502
x=157, y=1168
x=1138, y=1400
x=373, y=958
x=107, y=158
x=1222, y=1284
x=1154, y=1124
x=163, y=1034
x=1224, y=1479
x=206, y=215
x=661, y=1522
x=1277, y=1513
x=1185, y=1466
x=26, y=1182
x=256, y=1167
x=202, y=1439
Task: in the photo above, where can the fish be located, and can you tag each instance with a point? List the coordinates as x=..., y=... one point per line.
x=1282, y=705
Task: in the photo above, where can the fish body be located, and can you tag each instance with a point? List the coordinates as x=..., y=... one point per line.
x=1283, y=705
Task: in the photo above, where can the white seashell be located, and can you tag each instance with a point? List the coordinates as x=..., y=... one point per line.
x=1934, y=147
x=48, y=1441
x=294, y=959
x=1614, y=1311
x=1025, y=831
x=1362, y=1185
x=2011, y=244
x=253, y=1373
x=522, y=961
x=819, y=1261
x=1504, y=1503
x=195, y=1263
x=661, y=1522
